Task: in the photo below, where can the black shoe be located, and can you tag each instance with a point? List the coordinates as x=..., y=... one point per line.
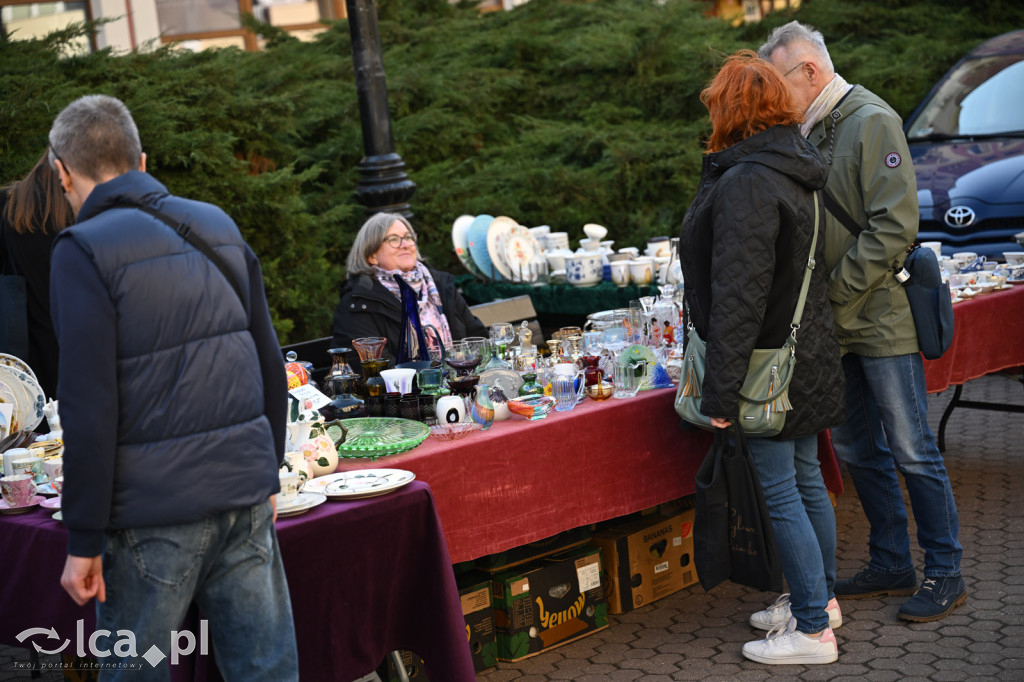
x=869, y=583
x=936, y=599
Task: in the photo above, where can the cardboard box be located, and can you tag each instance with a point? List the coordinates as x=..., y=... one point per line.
x=549, y=602
x=501, y=561
x=475, y=593
x=646, y=559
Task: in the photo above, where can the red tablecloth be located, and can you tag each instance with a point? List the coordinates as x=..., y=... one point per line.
x=522, y=481
x=989, y=336
x=366, y=577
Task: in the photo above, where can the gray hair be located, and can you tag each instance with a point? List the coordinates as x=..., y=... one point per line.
x=368, y=240
x=795, y=33
x=95, y=136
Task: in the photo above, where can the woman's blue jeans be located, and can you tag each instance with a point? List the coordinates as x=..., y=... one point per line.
x=230, y=565
x=804, y=524
x=887, y=430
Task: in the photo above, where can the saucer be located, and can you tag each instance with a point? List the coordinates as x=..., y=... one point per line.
x=33, y=502
x=302, y=504
x=50, y=503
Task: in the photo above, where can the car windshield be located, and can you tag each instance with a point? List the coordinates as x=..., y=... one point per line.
x=981, y=97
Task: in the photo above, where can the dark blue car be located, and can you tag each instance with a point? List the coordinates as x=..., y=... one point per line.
x=967, y=142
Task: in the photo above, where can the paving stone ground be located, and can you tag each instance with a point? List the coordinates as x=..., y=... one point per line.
x=693, y=635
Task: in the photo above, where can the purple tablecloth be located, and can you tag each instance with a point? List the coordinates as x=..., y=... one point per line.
x=366, y=577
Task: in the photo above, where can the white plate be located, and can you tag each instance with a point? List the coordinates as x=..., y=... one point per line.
x=460, y=241
x=521, y=247
x=50, y=503
x=12, y=397
x=30, y=402
x=354, y=485
x=497, y=236
x=301, y=504
x=18, y=363
x=33, y=502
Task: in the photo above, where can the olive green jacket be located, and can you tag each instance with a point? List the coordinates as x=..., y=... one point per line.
x=872, y=177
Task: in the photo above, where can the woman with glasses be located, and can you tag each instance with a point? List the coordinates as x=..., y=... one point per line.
x=383, y=252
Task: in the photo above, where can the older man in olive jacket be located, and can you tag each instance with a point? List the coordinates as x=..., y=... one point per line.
x=871, y=180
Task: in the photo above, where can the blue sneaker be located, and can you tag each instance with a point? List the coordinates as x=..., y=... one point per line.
x=936, y=599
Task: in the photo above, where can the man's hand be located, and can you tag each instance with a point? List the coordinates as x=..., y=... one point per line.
x=720, y=423
x=83, y=579
x=273, y=505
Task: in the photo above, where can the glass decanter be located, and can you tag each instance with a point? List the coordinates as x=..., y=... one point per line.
x=339, y=367
x=345, y=404
x=371, y=357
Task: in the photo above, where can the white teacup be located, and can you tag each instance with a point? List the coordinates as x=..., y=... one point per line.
x=620, y=272
x=289, y=487
x=53, y=467
x=30, y=465
x=11, y=455
x=399, y=379
x=641, y=271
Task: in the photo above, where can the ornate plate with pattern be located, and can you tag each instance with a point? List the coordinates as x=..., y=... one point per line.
x=301, y=504
x=521, y=247
x=460, y=240
x=31, y=399
x=18, y=363
x=476, y=238
x=355, y=485
x=497, y=236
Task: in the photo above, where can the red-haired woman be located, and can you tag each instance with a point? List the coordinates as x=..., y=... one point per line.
x=743, y=247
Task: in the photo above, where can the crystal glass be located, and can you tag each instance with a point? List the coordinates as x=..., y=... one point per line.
x=370, y=347
x=502, y=334
x=371, y=356
x=482, y=346
x=340, y=368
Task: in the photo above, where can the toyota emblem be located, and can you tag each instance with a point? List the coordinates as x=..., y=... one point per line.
x=960, y=216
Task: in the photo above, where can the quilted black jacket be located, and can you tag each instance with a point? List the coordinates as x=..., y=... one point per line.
x=743, y=248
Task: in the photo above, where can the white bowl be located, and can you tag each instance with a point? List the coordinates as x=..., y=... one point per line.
x=1014, y=257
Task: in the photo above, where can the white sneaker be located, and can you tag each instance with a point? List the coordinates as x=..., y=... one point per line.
x=784, y=646
x=779, y=613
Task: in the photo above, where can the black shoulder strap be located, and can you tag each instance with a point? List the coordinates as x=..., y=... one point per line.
x=195, y=240
x=841, y=215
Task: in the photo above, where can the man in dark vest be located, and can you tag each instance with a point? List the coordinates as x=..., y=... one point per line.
x=172, y=399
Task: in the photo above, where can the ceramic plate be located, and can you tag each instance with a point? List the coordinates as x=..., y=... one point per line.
x=8, y=396
x=476, y=238
x=355, y=485
x=460, y=241
x=46, y=489
x=18, y=363
x=31, y=400
x=634, y=354
x=497, y=236
x=50, y=503
x=507, y=379
x=302, y=504
x=521, y=247
x=33, y=502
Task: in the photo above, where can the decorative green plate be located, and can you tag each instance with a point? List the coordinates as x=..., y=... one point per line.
x=632, y=355
x=375, y=437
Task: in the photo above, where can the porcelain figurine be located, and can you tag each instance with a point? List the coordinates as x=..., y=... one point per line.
x=500, y=403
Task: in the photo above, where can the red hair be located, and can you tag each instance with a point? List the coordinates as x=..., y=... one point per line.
x=747, y=95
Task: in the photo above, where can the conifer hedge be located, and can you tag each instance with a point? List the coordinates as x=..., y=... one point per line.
x=560, y=112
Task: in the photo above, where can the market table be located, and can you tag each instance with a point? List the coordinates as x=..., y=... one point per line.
x=366, y=577
x=522, y=481
x=988, y=337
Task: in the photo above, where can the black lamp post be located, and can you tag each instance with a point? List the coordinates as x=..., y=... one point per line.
x=383, y=184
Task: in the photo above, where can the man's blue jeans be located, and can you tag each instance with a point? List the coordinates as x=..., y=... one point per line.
x=887, y=430
x=230, y=565
x=804, y=524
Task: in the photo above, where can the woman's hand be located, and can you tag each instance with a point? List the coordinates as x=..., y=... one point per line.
x=720, y=423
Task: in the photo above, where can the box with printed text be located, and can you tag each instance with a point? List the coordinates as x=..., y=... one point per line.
x=548, y=602
x=646, y=559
